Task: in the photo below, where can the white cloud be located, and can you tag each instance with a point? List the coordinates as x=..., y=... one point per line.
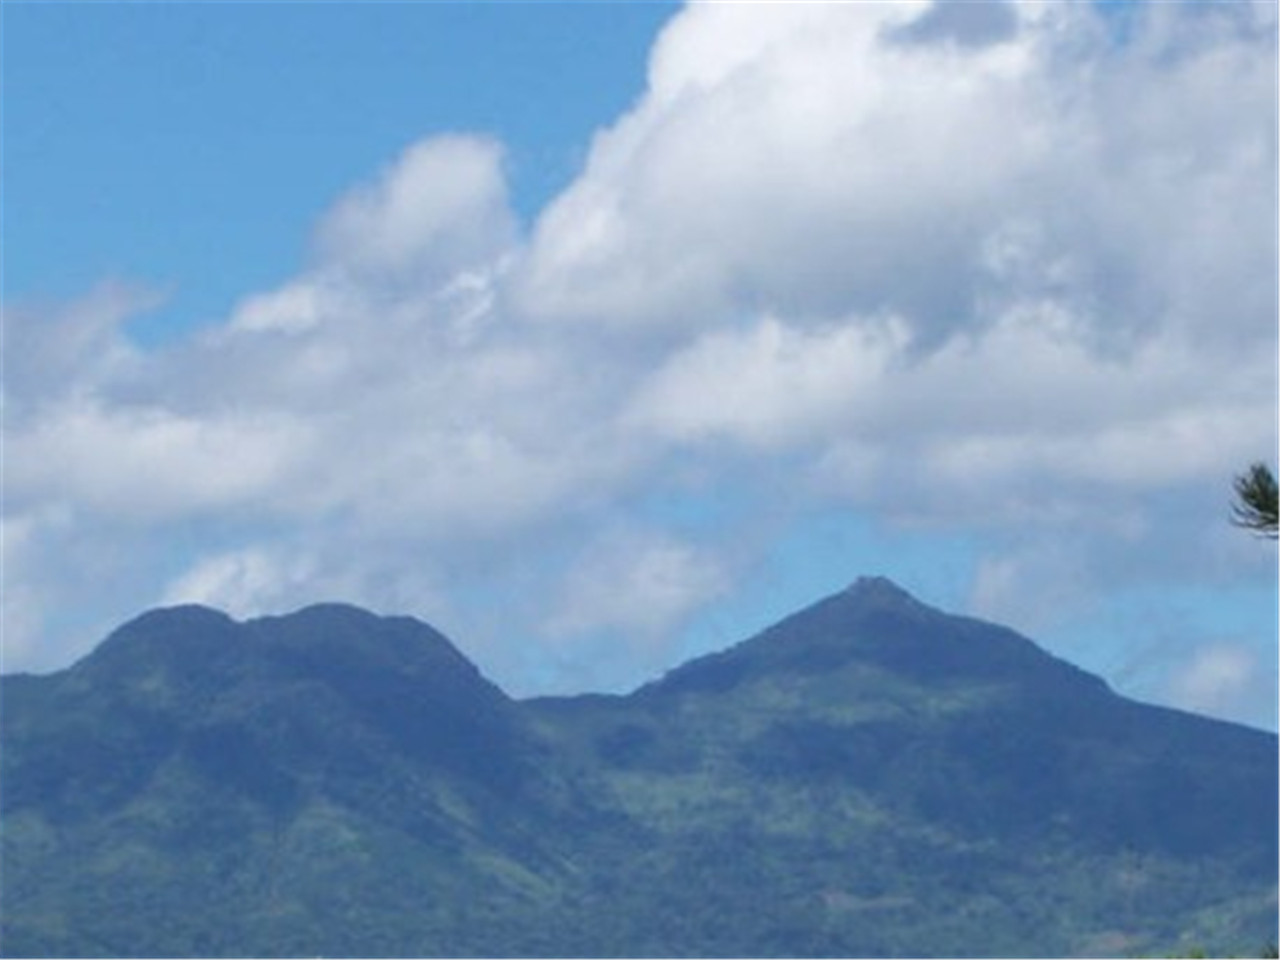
x=1065, y=228
x=242, y=582
x=292, y=309
x=21, y=614
x=74, y=348
x=288, y=572
x=149, y=462
x=1217, y=679
x=991, y=270
x=642, y=584
x=800, y=161
x=1035, y=589
x=440, y=208
x=789, y=156
x=769, y=384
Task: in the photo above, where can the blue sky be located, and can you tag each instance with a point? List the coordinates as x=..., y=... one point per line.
x=601, y=335
x=165, y=132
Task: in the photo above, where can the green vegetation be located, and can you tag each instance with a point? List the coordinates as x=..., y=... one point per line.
x=1256, y=505
x=869, y=778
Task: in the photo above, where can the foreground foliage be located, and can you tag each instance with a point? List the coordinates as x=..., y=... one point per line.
x=1257, y=505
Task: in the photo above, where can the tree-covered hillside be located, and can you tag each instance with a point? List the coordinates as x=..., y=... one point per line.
x=870, y=777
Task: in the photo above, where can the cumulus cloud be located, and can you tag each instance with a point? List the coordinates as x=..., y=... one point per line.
x=54, y=350
x=769, y=384
x=640, y=582
x=621, y=603
x=242, y=582
x=149, y=461
x=798, y=161
x=439, y=209
x=990, y=267
x=811, y=162
x=1225, y=679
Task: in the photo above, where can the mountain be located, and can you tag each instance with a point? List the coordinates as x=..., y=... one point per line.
x=869, y=777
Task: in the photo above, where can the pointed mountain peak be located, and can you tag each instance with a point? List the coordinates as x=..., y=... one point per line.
x=879, y=590
x=875, y=597
x=875, y=623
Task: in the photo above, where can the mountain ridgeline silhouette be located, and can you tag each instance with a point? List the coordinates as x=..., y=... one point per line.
x=869, y=777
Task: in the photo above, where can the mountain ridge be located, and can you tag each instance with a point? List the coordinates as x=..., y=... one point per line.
x=867, y=591
x=869, y=776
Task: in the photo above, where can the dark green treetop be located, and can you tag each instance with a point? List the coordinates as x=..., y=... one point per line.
x=1255, y=507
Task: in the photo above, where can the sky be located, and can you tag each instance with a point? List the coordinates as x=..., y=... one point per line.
x=601, y=336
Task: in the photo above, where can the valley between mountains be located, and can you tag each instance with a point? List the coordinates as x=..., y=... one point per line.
x=869, y=777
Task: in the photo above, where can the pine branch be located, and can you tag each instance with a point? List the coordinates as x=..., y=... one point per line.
x=1256, y=508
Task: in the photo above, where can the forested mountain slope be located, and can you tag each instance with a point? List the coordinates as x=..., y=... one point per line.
x=870, y=777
